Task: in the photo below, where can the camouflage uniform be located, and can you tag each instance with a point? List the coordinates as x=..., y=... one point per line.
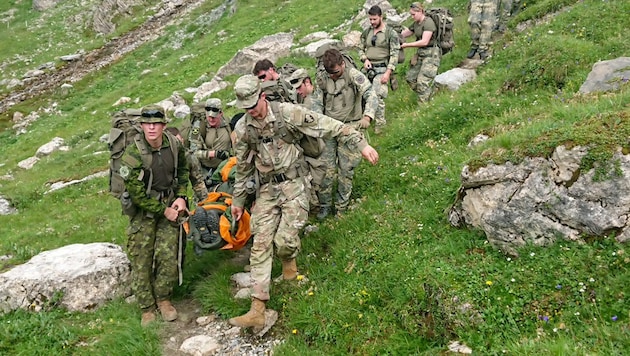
x=282, y=205
x=482, y=19
x=342, y=100
x=383, y=55
x=202, y=138
x=425, y=64
x=152, y=240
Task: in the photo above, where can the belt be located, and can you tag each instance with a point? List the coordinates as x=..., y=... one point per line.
x=291, y=174
x=379, y=65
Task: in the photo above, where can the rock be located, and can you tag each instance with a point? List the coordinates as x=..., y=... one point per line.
x=79, y=277
x=477, y=140
x=54, y=145
x=181, y=111
x=205, y=320
x=33, y=73
x=6, y=208
x=311, y=48
x=242, y=279
x=122, y=100
x=41, y=5
x=28, y=163
x=71, y=57
x=315, y=36
x=454, y=78
x=59, y=185
x=200, y=345
x=607, y=75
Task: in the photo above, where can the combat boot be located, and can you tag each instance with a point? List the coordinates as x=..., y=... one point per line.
x=167, y=310
x=324, y=211
x=471, y=53
x=255, y=317
x=148, y=317
x=289, y=270
x=483, y=55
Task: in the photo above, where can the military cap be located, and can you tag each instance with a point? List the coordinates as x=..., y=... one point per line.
x=297, y=78
x=153, y=114
x=247, y=90
x=213, y=107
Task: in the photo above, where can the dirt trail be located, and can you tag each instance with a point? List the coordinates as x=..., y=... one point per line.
x=98, y=58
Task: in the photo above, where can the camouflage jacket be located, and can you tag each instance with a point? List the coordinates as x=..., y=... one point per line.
x=385, y=48
x=163, y=178
x=343, y=99
x=276, y=156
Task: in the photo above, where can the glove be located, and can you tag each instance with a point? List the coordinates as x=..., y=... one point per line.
x=364, y=123
x=222, y=154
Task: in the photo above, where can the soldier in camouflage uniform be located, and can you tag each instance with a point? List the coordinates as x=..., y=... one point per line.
x=425, y=63
x=482, y=19
x=208, y=134
x=310, y=97
x=344, y=88
x=196, y=177
x=159, y=196
x=378, y=51
x=281, y=198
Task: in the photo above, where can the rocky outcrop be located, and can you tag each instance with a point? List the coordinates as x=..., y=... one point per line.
x=541, y=201
x=607, y=75
x=79, y=277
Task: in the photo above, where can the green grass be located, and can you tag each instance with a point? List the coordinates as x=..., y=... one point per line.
x=392, y=277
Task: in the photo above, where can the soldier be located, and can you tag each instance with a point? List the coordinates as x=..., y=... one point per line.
x=309, y=97
x=281, y=199
x=276, y=88
x=482, y=19
x=209, y=138
x=344, y=89
x=158, y=192
x=425, y=63
x=378, y=51
x=196, y=177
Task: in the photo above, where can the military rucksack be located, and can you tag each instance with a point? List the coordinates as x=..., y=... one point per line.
x=444, y=22
x=279, y=90
x=126, y=130
x=311, y=146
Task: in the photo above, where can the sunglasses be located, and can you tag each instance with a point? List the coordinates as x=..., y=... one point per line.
x=333, y=72
x=374, y=40
x=153, y=113
x=212, y=108
x=294, y=81
x=263, y=76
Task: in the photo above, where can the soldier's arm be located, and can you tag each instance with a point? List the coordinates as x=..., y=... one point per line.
x=317, y=101
x=134, y=184
x=183, y=172
x=394, y=47
x=245, y=166
x=361, y=47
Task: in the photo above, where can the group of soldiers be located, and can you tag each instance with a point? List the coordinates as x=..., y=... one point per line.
x=336, y=105
x=485, y=17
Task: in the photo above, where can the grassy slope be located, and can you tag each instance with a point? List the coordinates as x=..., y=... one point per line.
x=384, y=278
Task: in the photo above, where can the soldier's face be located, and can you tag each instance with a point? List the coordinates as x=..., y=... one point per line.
x=416, y=15
x=214, y=120
x=258, y=111
x=336, y=72
x=269, y=74
x=305, y=89
x=375, y=21
x=152, y=130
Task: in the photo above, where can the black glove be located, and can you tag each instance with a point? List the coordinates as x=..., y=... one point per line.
x=222, y=154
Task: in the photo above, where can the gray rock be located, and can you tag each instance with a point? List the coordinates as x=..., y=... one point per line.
x=607, y=75
x=79, y=277
x=200, y=345
x=6, y=208
x=456, y=77
x=54, y=145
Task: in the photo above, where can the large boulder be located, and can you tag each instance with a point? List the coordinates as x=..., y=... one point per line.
x=542, y=200
x=79, y=277
x=607, y=75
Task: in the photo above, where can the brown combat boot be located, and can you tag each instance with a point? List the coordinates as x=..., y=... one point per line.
x=289, y=270
x=255, y=317
x=148, y=317
x=167, y=310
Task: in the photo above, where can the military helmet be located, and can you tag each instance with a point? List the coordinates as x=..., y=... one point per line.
x=152, y=114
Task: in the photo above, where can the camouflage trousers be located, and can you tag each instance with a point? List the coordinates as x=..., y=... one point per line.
x=482, y=19
x=340, y=162
x=421, y=74
x=317, y=170
x=278, y=216
x=381, y=91
x=152, y=250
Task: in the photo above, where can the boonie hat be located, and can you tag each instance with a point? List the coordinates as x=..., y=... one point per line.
x=153, y=114
x=297, y=78
x=247, y=90
x=213, y=107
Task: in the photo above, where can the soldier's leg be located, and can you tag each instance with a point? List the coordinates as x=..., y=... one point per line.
x=412, y=74
x=348, y=161
x=381, y=91
x=166, y=247
x=488, y=21
x=294, y=206
x=264, y=221
x=329, y=158
x=428, y=71
x=474, y=20
x=140, y=250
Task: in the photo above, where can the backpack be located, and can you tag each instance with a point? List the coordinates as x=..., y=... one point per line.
x=287, y=69
x=125, y=130
x=279, y=90
x=444, y=22
x=311, y=146
x=319, y=55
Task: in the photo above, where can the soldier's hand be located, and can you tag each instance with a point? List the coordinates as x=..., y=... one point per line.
x=367, y=64
x=370, y=154
x=364, y=123
x=237, y=212
x=222, y=154
x=171, y=214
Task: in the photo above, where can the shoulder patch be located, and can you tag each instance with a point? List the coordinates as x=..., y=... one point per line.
x=309, y=119
x=360, y=79
x=124, y=172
